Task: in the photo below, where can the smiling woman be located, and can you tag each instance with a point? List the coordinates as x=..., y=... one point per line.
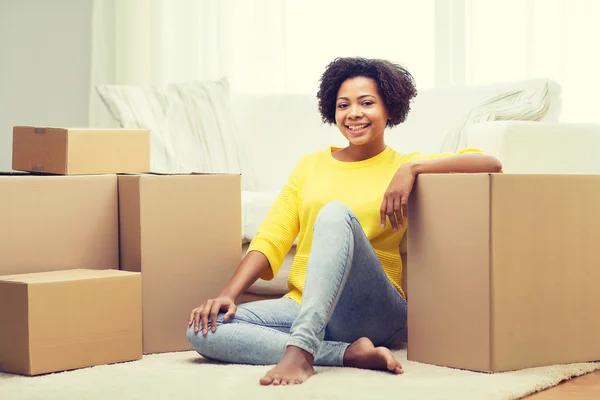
x=361, y=119
x=363, y=97
x=347, y=207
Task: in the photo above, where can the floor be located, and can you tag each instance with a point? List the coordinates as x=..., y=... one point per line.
x=583, y=387
x=180, y=374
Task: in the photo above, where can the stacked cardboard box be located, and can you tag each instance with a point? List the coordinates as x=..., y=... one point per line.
x=63, y=320
x=183, y=233
x=504, y=271
x=58, y=222
x=111, y=256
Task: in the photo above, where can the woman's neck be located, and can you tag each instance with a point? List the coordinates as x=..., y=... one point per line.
x=354, y=153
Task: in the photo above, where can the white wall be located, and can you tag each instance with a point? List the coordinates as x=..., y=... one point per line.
x=45, y=57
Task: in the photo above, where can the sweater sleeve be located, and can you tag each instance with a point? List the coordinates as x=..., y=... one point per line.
x=435, y=156
x=277, y=232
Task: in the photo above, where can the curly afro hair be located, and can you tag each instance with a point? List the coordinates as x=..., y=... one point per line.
x=396, y=86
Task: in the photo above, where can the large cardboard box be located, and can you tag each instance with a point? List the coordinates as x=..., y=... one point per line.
x=504, y=270
x=63, y=320
x=69, y=151
x=183, y=233
x=52, y=223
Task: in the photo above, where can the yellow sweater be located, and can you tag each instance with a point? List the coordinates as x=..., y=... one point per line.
x=318, y=179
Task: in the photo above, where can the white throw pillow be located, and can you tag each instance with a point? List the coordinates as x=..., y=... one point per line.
x=529, y=103
x=191, y=124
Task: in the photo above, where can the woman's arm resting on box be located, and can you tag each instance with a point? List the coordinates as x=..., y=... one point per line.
x=461, y=163
x=395, y=201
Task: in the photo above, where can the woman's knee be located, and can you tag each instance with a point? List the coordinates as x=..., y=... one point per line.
x=211, y=344
x=334, y=212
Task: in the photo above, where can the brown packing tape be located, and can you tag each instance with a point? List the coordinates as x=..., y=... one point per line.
x=41, y=131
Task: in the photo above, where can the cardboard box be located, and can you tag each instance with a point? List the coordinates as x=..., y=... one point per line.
x=52, y=223
x=64, y=320
x=183, y=233
x=68, y=151
x=504, y=270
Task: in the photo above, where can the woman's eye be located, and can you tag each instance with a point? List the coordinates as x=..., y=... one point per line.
x=367, y=103
x=342, y=105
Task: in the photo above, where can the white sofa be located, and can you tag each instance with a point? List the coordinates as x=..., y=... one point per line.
x=276, y=130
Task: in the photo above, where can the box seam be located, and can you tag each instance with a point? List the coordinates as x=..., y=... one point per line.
x=490, y=278
x=66, y=161
x=139, y=184
x=119, y=247
x=29, y=358
x=140, y=230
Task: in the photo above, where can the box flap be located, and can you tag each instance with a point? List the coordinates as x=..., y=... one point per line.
x=155, y=173
x=64, y=276
x=85, y=130
x=189, y=173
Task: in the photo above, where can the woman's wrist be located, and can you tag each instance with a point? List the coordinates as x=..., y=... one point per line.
x=230, y=294
x=411, y=168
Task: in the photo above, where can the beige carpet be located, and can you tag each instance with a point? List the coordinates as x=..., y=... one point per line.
x=187, y=376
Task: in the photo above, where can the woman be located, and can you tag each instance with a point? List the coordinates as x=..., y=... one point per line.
x=346, y=304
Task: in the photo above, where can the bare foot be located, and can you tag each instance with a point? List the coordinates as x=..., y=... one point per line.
x=363, y=354
x=295, y=367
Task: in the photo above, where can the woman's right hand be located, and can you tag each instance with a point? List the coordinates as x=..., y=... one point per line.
x=211, y=308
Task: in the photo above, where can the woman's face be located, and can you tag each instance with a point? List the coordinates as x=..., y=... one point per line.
x=360, y=113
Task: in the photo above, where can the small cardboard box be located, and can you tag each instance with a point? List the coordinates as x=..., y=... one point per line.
x=50, y=223
x=64, y=320
x=183, y=233
x=67, y=151
x=504, y=270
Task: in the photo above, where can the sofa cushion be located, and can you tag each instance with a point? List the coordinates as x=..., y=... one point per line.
x=540, y=147
x=255, y=207
x=191, y=124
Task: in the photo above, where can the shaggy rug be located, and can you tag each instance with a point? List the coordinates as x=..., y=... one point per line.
x=186, y=375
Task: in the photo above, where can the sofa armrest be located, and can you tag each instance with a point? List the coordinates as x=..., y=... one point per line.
x=539, y=147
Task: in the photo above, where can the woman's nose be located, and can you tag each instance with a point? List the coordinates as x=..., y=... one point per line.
x=354, y=112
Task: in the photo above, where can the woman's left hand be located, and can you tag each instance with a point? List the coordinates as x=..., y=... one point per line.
x=395, y=199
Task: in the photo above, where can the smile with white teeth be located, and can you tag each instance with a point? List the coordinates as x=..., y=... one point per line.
x=357, y=127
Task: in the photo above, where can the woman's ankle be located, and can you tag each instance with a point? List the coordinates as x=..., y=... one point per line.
x=297, y=352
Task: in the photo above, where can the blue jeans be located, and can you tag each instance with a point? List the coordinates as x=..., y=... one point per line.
x=347, y=295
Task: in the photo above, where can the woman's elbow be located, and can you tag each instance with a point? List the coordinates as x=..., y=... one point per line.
x=494, y=165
